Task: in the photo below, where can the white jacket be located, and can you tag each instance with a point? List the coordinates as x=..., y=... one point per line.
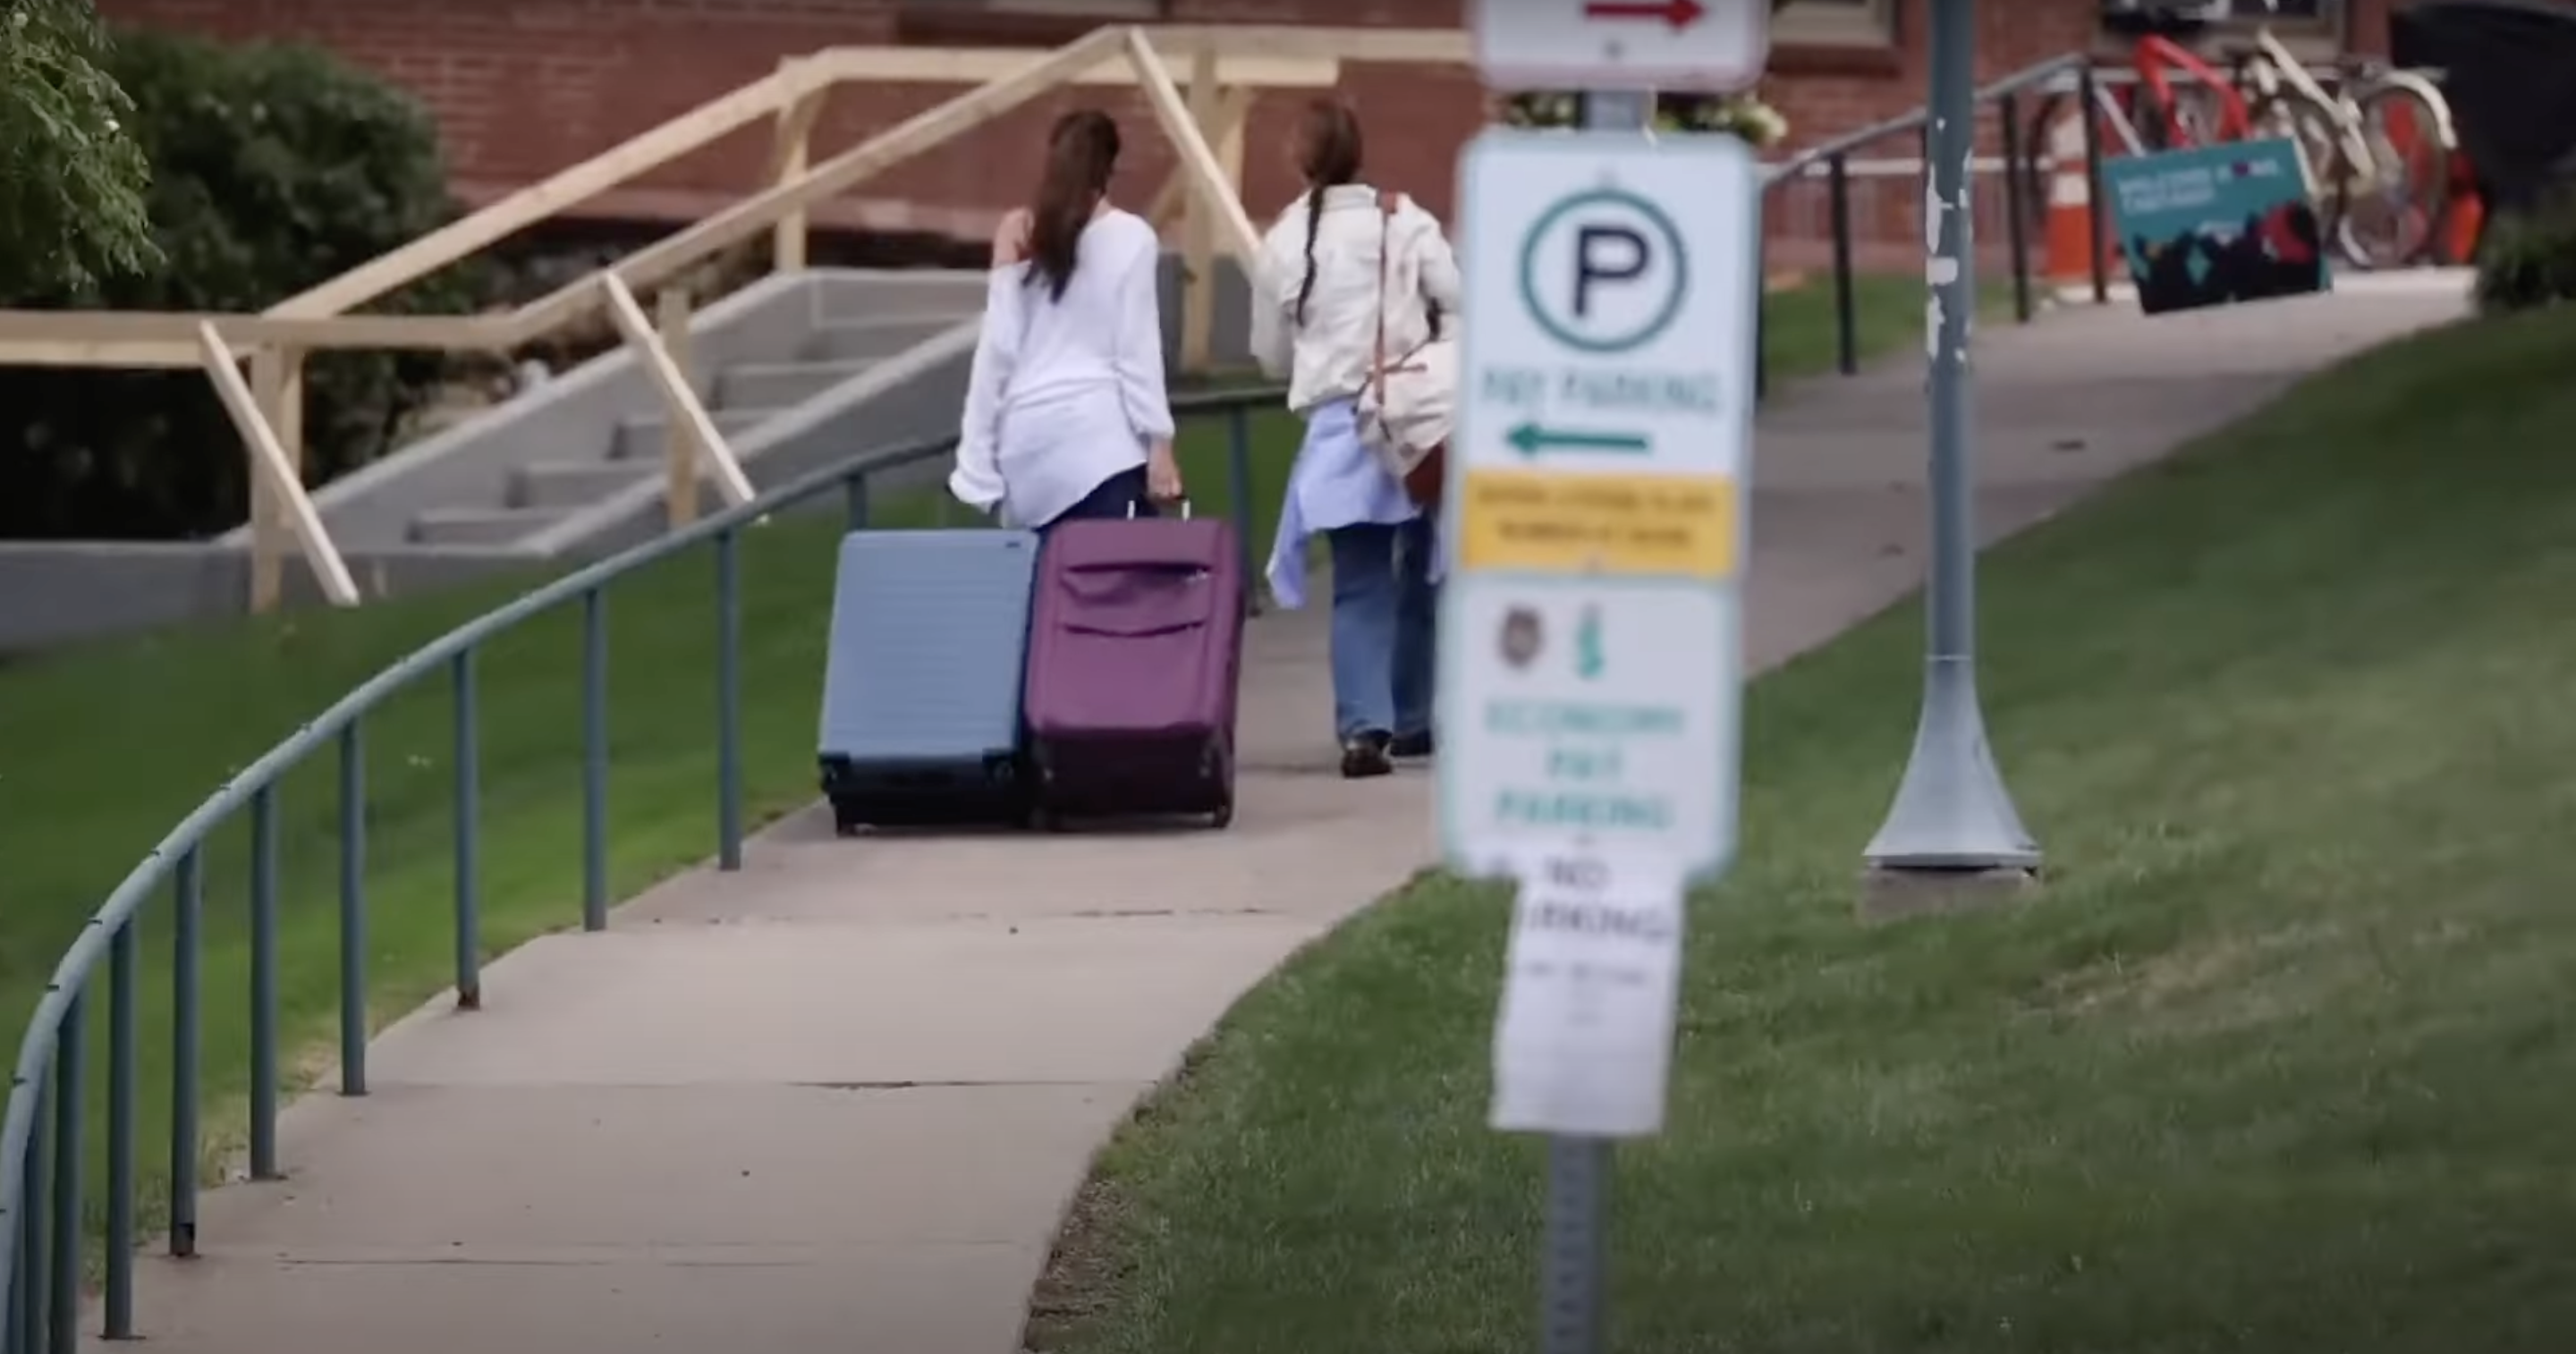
x=1329, y=357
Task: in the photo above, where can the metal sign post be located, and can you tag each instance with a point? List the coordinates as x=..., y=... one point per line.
x=1952, y=817
x=1574, y=1253
x=1591, y=636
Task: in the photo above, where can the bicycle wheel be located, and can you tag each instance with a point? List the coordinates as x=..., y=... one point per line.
x=2202, y=111
x=2318, y=134
x=2397, y=199
x=2190, y=117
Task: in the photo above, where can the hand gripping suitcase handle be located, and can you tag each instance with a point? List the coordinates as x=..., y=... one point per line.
x=1131, y=510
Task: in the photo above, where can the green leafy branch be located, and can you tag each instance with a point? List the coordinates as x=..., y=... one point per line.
x=72, y=179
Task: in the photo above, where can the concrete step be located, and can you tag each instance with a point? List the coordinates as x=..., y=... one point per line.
x=903, y=293
x=876, y=340
x=574, y=484
x=775, y=385
x=642, y=437
x=481, y=526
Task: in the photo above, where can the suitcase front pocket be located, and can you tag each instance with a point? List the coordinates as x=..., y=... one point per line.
x=1129, y=654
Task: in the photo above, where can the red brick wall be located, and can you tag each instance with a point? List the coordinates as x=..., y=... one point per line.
x=522, y=88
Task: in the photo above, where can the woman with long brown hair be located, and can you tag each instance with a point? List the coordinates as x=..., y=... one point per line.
x=1341, y=262
x=1066, y=414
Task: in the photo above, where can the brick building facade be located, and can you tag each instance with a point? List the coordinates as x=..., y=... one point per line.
x=522, y=88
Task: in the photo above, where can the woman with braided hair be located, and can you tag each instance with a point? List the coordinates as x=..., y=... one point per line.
x=1346, y=276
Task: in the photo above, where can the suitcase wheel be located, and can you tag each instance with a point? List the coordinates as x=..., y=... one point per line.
x=1223, y=818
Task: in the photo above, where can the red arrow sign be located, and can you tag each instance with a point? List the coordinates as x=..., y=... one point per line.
x=1681, y=14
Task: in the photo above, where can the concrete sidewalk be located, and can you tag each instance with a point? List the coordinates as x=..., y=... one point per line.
x=836, y=1102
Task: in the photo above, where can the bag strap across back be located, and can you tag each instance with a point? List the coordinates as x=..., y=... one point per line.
x=1388, y=204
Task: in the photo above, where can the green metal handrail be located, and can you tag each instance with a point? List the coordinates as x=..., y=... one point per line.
x=40, y=1307
x=2020, y=151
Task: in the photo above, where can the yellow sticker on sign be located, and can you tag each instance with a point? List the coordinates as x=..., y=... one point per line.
x=1540, y=521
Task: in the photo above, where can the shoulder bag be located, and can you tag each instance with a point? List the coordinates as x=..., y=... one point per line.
x=1410, y=401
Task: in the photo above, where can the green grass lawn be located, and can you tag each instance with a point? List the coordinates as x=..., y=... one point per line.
x=103, y=749
x=2280, y=1060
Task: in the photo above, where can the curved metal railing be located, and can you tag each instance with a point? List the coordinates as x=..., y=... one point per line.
x=43, y=1136
x=42, y=1201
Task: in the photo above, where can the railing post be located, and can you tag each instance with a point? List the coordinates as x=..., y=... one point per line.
x=263, y=983
x=791, y=154
x=35, y=1279
x=469, y=841
x=594, y=760
x=2016, y=205
x=71, y=1096
x=353, y=908
x=1761, y=318
x=728, y=701
x=188, y=905
x=1838, y=210
x=679, y=447
x=17, y=1287
x=854, y=503
x=1238, y=468
x=2087, y=100
x=122, y=977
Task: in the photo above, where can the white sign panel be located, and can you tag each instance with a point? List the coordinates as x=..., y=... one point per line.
x=1714, y=46
x=1590, y=663
x=1612, y=285
x=1591, y=991
x=1593, y=715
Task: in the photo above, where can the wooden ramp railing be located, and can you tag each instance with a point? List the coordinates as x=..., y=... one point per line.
x=1226, y=65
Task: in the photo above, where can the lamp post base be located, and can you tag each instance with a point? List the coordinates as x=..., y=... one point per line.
x=1952, y=814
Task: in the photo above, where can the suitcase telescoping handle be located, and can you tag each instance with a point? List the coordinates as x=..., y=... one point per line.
x=1185, y=510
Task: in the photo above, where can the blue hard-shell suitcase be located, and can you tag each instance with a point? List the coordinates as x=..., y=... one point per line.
x=921, y=686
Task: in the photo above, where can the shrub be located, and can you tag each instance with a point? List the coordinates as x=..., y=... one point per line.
x=2528, y=258
x=274, y=167
x=1743, y=115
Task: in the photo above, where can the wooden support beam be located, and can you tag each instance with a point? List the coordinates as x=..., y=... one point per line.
x=679, y=444
x=1234, y=112
x=1207, y=177
x=679, y=401
x=835, y=176
x=273, y=471
x=268, y=536
x=791, y=151
x=550, y=196
x=156, y=338
x=1198, y=229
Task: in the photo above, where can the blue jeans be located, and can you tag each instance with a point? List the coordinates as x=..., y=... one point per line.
x=1383, y=628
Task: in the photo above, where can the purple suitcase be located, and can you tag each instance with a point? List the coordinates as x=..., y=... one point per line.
x=1135, y=657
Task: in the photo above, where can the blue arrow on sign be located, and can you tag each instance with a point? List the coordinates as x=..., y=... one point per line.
x=1531, y=439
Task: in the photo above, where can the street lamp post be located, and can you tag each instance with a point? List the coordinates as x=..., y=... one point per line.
x=1952, y=819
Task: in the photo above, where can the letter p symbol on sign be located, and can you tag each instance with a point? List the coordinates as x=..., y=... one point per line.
x=1605, y=254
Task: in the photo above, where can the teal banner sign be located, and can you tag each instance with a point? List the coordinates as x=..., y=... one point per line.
x=2210, y=226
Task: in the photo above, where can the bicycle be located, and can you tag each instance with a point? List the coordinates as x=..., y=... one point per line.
x=2204, y=109
x=2376, y=150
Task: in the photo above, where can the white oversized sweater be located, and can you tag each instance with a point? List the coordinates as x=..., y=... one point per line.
x=1065, y=392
